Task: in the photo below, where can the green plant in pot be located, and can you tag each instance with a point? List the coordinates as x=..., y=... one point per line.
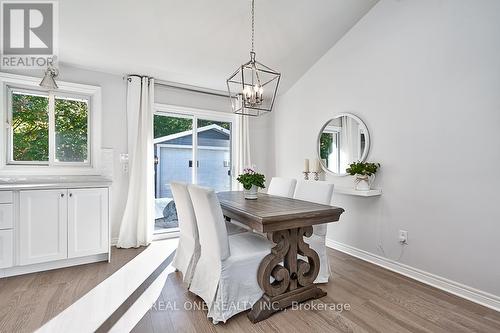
x=251, y=181
x=364, y=173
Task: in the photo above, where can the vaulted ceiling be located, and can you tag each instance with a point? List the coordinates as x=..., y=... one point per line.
x=201, y=42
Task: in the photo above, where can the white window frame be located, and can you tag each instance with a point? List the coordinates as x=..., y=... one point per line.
x=27, y=84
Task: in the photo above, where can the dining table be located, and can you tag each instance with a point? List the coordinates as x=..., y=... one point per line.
x=284, y=276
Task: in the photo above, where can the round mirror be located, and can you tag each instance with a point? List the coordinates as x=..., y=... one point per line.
x=342, y=141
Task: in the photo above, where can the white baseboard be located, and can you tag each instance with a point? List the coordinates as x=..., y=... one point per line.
x=46, y=266
x=458, y=289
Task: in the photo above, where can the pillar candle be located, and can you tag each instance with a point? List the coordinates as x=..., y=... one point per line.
x=315, y=165
x=306, y=165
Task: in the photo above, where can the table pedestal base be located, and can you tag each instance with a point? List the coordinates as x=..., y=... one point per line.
x=283, y=276
x=267, y=305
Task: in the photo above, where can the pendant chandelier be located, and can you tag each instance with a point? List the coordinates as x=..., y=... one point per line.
x=252, y=87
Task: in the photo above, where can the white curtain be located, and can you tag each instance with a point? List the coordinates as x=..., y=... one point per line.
x=137, y=223
x=243, y=158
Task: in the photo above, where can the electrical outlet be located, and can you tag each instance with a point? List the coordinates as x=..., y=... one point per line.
x=403, y=237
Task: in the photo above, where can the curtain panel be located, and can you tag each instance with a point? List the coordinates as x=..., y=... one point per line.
x=136, y=227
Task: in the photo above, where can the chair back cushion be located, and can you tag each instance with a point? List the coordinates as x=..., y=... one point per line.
x=185, y=211
x=318, y=192
x=283, y=187
x=314, y=191
x=211, y=225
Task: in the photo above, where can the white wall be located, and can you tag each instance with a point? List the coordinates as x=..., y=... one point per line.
x=425, y=77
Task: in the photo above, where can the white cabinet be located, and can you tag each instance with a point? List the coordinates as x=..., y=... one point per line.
x=6, y=217
x=43, y=222
x=62, y=224
x=52, y=223
x=5, y=196
x=6, y=249
x=88, y=232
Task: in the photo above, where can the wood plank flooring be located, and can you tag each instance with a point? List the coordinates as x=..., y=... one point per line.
x=29, y=301
x=379, y=301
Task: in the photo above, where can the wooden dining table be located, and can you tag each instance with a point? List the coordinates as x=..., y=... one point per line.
x=282, y=275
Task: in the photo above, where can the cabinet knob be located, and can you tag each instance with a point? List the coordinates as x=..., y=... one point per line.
x=62, y=195
x=71, y=194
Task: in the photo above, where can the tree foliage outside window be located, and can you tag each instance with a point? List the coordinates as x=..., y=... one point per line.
x=30, y=128
x=325, y=145
x=165, y=125
x=71, y=118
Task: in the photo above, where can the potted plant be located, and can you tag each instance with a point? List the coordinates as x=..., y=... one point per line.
x=363, y=171
x=251, y=182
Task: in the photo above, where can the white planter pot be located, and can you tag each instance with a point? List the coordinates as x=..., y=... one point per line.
x=362, y=183
x=251, y=194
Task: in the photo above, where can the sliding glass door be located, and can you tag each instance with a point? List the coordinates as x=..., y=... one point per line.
x=193, y=149
x=213, y=155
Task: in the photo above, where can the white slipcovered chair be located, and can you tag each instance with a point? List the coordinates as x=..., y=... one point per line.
x=188, y=249
x=283, y=187
x=225, y=276
x=321, y=193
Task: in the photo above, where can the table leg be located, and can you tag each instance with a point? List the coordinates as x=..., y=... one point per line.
x=293, y=281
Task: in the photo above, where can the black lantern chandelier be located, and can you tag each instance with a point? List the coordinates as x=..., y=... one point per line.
x=252, y=88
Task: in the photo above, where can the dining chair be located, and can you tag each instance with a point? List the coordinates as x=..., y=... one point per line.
x=321, y=193
x=225, y=276
x=283, y=187
x=188, y=249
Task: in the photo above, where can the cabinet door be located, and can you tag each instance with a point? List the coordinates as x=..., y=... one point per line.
x=6, y=251
x=43, y=219
x=87, y=222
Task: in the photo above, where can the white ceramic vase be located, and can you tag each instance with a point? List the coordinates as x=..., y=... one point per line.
x=251, y=194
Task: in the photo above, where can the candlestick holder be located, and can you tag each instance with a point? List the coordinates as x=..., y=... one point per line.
x=306, y=175
x=316, y=175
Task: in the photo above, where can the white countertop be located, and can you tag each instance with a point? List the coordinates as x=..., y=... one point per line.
x=47, y=182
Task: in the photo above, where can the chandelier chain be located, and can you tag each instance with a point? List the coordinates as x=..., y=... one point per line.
x=253, y=24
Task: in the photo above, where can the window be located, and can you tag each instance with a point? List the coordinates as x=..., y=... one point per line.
x=34, y=140
x=48, y=131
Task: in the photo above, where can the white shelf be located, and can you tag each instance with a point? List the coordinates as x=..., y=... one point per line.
x=351, y=191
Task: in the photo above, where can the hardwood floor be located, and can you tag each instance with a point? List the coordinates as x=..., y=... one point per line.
x=29, y=301
x=378, y=300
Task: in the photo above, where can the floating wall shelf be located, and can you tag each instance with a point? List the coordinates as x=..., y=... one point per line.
x=351, y=191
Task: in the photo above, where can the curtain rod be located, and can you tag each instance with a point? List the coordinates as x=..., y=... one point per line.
x=192, y=88
x=186, y=87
